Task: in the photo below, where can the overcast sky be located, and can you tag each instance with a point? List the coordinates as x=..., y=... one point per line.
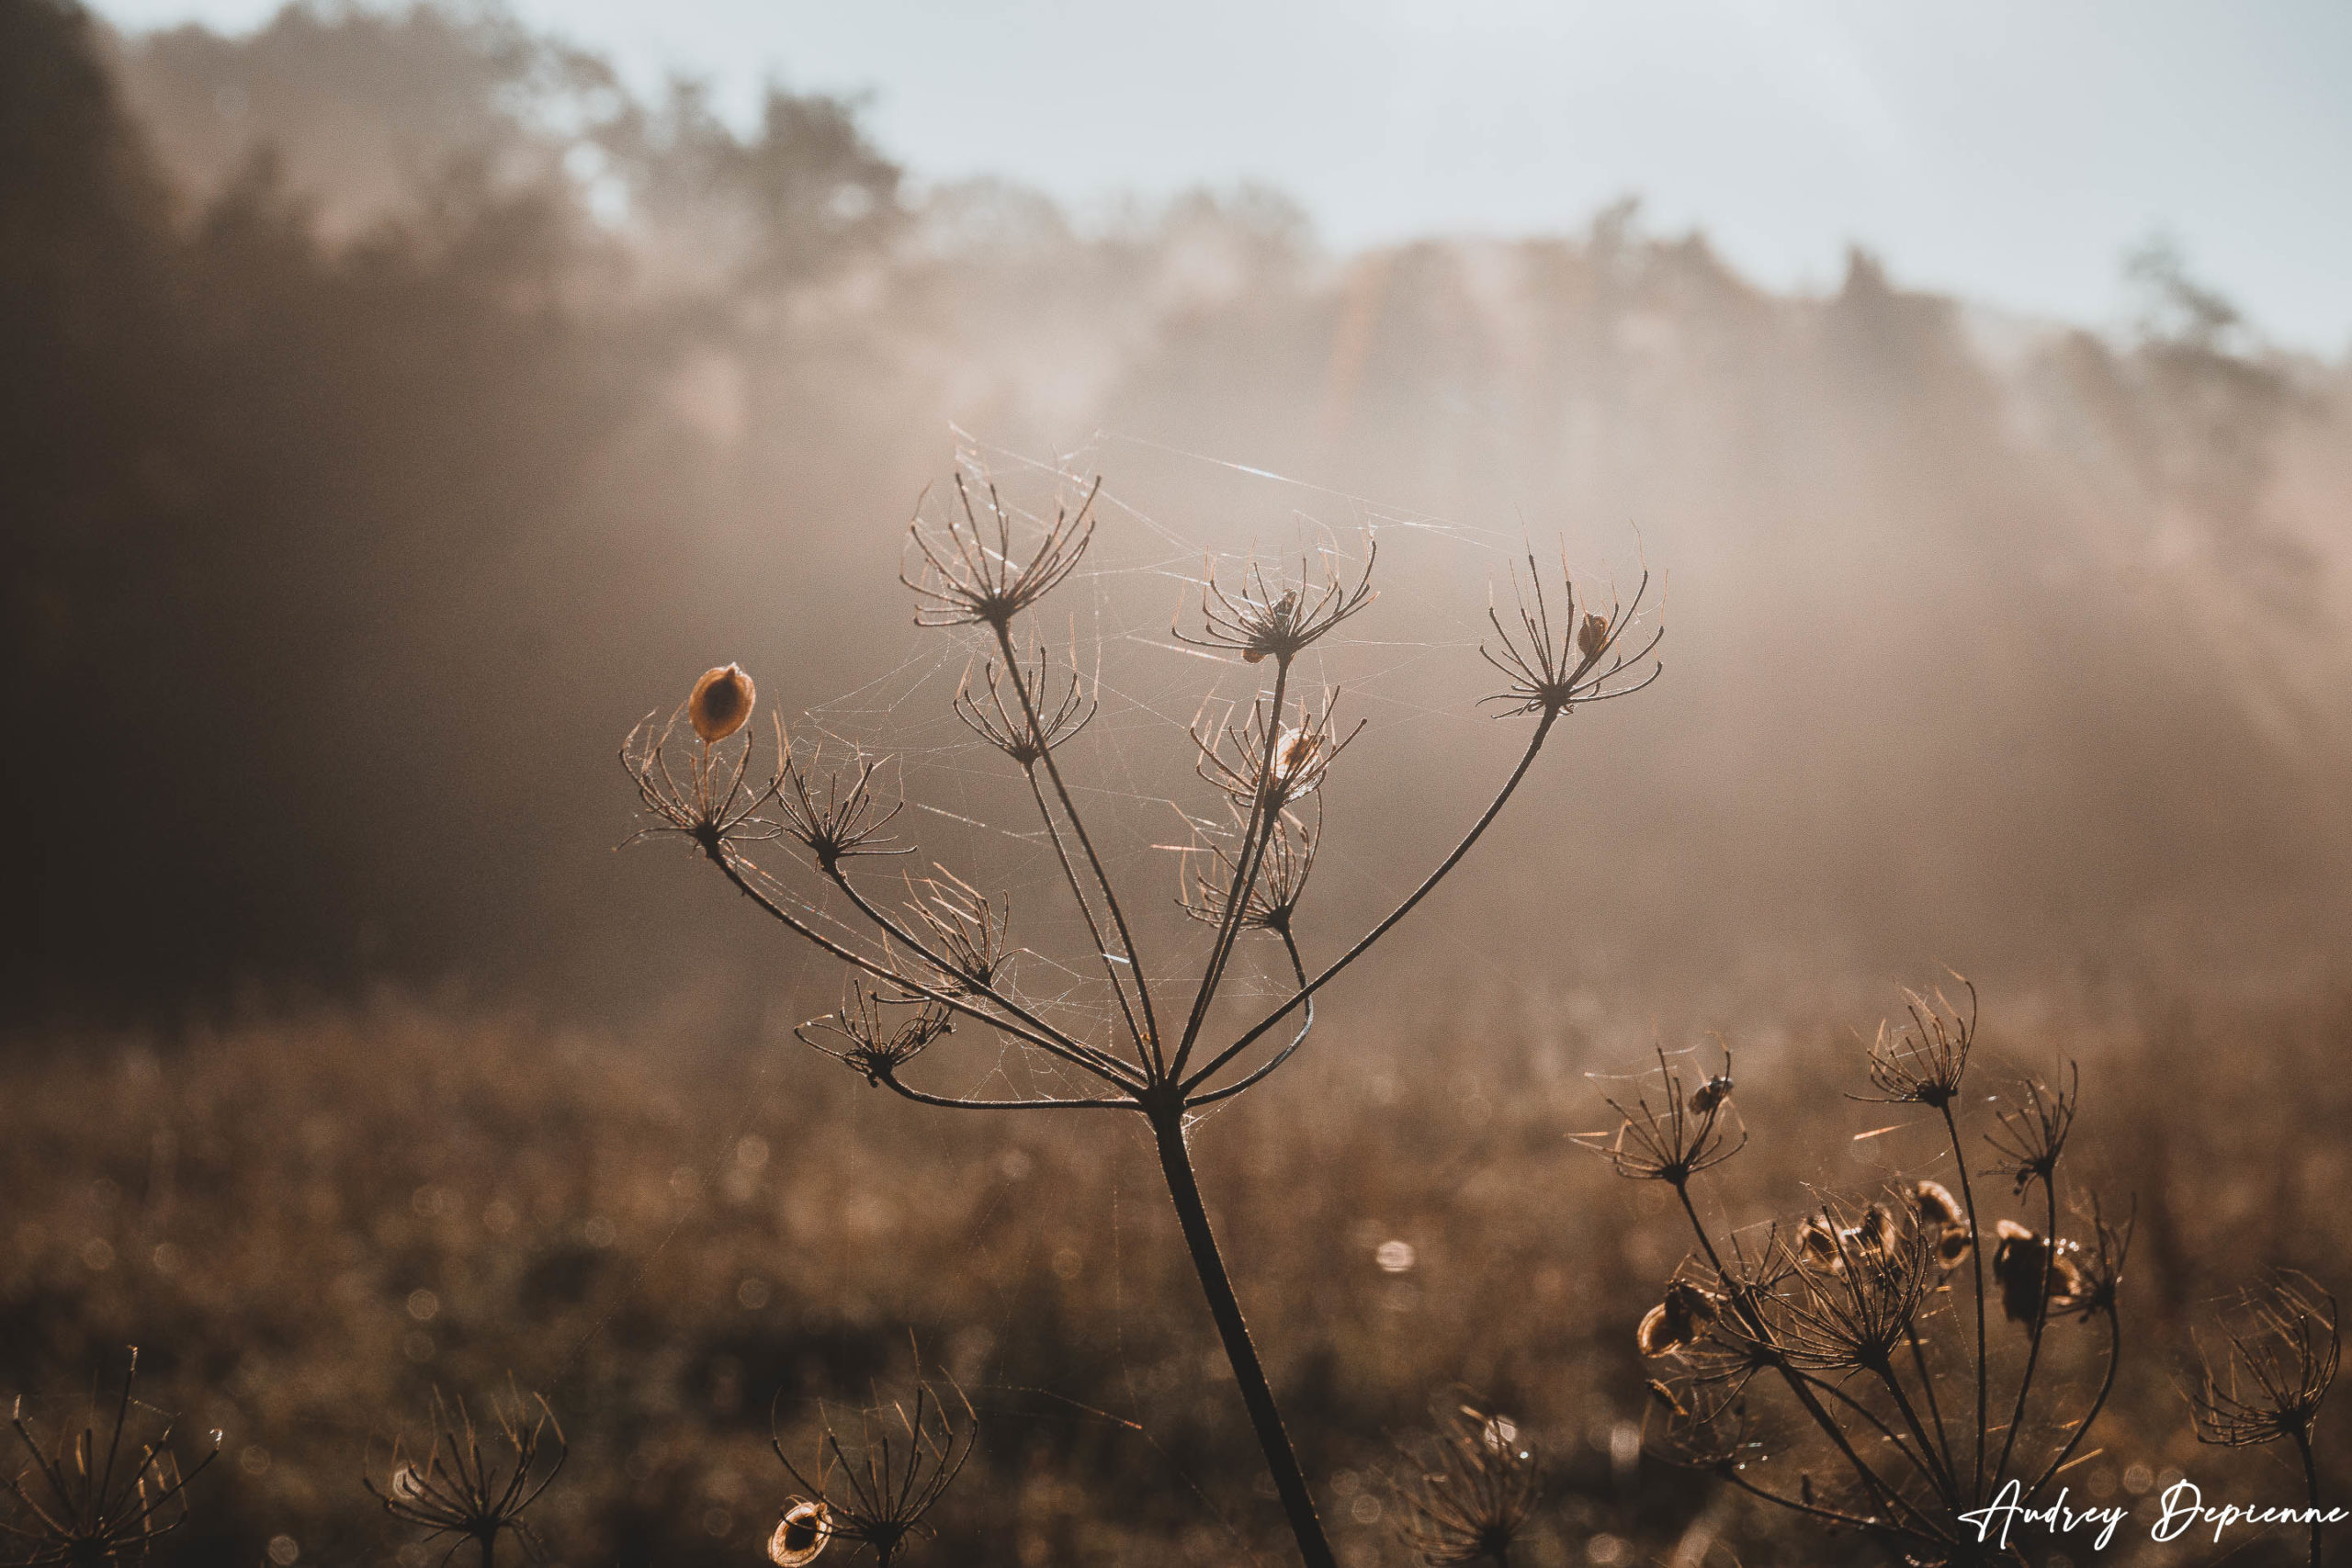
x=2010, y=151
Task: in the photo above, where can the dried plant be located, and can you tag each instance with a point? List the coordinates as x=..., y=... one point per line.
x=878, y=1034
x=1552, y=669
x=1271, y=897
x=83, y=1500
x=1231, y=755
x=2269, y=1374
x=968, y=576
x=907, y=1458
x=1467, y=1490
x=1063, y=706
x=1689, y=1131
x=1276, y=619
x=455, y=1489
x=949, y=950
x=1851, y=1312
x=1924, y=1064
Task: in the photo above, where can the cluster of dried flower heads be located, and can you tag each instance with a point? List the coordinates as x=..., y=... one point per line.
x=1841, y=1365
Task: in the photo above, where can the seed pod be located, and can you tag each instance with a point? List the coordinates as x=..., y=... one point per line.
x=1873, y=1239
x=1937, y=1208
x=1676, y=1321
x=721, y=702
x=2018, y=1262
x=1817, y=1245
x=1294, y=753
x=799, y=1536
x=1594, y=636
x=1946, y=1224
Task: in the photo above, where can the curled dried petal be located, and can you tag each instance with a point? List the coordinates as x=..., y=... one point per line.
x=722, y=700
x=799, y=1536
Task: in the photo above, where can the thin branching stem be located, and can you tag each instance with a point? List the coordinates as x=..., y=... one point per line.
x=1263, y=809
x=1976, y=1258
x=1086, y=844
x=2040, y=1322
x=2302, y=1436
x=899, y=931
x=1110, y=961
x=1298, y=969
x=1924, y=1466
x=1933, y=1461
x=1298, y=997
x=950, y=1102
x=1934, y=1408
x=1731, y=1472
x=2082, y=1427
x=727, y=860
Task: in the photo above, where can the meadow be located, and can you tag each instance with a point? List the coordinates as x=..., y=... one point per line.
x=394, y=408
x=310, y=1222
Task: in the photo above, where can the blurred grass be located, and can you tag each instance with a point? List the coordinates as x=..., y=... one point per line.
x=309, y=1221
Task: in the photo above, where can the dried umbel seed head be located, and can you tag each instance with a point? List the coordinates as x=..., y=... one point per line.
x=2026, y=1266
x=1466, y=1490
x=968, y=576
x=2269, y=1374
x=101, y=1494
x=1551, y=668
x=874, y=1496
x=460, y=1486
x=1857, y=1291
x=1263, y=617
x=1261, y=763
x=1278, y=617
x=875, y=1034
x=1924, y=1064
x=1670, y=1141
x=722, y=700
x=2032, y=1134
x=1677, y=1321
x=2097, y=1276
x=800, y=1535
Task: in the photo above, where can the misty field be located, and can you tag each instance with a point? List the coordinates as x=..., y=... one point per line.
x=398, y=415
x=309, y=1223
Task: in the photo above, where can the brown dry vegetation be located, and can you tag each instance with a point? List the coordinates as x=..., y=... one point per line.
x=666, y=1235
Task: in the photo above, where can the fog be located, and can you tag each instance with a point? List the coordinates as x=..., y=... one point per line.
x=399, y=408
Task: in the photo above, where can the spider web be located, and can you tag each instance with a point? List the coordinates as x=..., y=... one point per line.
x=1414, y=678
x=1409, y=667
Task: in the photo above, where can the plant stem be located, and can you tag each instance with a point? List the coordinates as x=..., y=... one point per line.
x=1281, y=1461
x=2040, y=1323
x=1976, y=1259
x=2105, y=1387
x=2311, y=1485
x=1299, y=997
